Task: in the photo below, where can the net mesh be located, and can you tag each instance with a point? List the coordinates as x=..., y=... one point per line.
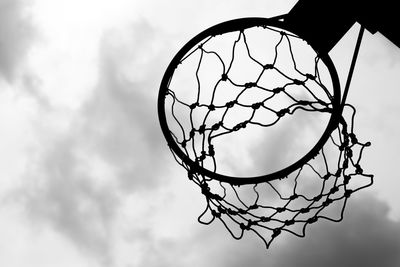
x=317, y=190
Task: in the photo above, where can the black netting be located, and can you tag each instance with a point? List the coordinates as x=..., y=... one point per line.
x=319, y=189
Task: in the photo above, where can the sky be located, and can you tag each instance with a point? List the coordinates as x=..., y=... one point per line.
x=86, y=177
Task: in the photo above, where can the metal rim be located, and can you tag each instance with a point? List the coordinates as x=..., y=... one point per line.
x=237, y=25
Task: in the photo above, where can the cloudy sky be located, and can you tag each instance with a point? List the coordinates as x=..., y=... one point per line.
x=86, y=178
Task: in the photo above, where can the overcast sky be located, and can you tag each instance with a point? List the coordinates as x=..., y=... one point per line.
x=86, y=178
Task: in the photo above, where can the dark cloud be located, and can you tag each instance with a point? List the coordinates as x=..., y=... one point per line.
x=366, y=237
x=16, y=35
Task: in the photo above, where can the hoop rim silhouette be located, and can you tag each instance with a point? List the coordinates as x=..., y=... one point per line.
x=238, y=25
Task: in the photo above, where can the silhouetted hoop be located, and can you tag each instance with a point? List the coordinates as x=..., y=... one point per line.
x=240, y=25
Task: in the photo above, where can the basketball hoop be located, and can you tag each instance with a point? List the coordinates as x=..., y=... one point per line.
x=225, y=88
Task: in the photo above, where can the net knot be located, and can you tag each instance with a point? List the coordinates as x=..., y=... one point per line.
x=231, y=103
x=289, y=222
x=268, y=66
x=280, y=209
x=353, y=138
x=312, y=220
x=249, y=224
x=211, y=107
x=242, y=211
x=333, y=190
x=348, y=193
x=276, y=232
x=202, y=129
x=224, y=77
x=326, y=176
x=216, y=126
x=256, y=105
x=191, y=133
x=202, y=156
x=205, y=189
x=327, y=202
x=265, y=219
x=250, y=84
x=221, y=210
x=194, y=105
x=349, y=152
x=317, y=198
x=216, y=197
x=231, y=212
x=215, y=214
x=253, y=207
x=240, y=126
x=183, y=144
x=304, y=210
x=282, y=112
x=245, y=227
x=278, y=90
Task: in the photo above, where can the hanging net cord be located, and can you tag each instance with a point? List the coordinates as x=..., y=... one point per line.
x=318, y=190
